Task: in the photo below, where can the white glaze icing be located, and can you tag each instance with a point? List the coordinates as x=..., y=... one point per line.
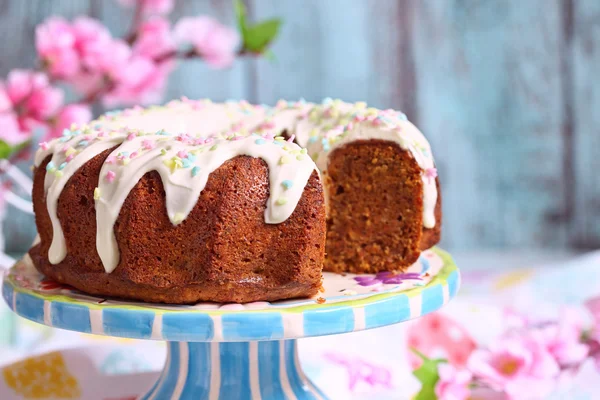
x=186, y=140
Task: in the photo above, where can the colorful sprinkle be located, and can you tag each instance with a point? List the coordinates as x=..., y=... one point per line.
x=281, y=201
x=287, y=184
x=431, y=173
x=44, y=145
x=284, y=160
x=62, y=166
x=195, y=171
x=50, y=166
x=110, y=176
x=97, y=193
x=260, y=141
x=148, y=144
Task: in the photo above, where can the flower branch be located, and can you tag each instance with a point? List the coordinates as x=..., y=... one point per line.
x=84, y=56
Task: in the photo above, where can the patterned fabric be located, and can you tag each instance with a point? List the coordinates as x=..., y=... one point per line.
x=379, y=368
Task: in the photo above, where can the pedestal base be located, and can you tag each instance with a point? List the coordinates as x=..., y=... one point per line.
x=239, y=370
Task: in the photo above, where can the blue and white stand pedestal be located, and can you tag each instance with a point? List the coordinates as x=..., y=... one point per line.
x=237, y=370
x=232, y=351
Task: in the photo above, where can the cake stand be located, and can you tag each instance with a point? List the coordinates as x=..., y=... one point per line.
x=233, y=351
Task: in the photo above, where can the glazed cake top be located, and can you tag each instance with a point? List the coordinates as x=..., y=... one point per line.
x=184, y=141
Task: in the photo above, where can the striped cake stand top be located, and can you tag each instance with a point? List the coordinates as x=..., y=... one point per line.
x=234, y=351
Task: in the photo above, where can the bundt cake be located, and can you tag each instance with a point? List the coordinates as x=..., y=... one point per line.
x=198, y=201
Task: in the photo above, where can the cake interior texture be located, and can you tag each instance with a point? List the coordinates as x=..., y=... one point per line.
x=375, y=209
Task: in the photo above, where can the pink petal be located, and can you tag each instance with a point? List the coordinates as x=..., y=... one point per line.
x=10, y=131
x=71, y=114
x=151, y=6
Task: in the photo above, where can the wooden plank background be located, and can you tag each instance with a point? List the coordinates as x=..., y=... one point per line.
x=507, y=91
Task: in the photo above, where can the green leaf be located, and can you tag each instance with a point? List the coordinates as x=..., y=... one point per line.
x=269, y=55
x=6, y=150
x=257, y=37
x=240, y=15
x=428, y=375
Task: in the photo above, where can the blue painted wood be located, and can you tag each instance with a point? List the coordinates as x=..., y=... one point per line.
x=585, y=97
x=508, y=96
x=336, y=49
x=489, y=98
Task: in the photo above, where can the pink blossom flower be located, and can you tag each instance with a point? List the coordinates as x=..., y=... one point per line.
x=436, y=335
x=32, y=94
x=154, y=38
x=55, y=41
x=5, y=103
x=151, y=6
x=453, y=383
x=519, y=366
x=563, y=339
x=141, y=81
x=10, y=132
x=93, y=43
x=33, y=100
x=70, y=114
x=44, y=102
x=215, y=42
x=20, y=83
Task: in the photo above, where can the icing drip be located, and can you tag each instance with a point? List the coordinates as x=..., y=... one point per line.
x=176, y=161
x=197, y=137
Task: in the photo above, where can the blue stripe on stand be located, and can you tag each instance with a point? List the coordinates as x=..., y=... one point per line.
x=252, y=326
x=269, y=368
x=453, y=283
x=298, y=387
x=30, y=307
x=183, y=326
x=126, y=323
x=424, y=264
x=387, y=312
x=235, y=371
x=432, y=299
x=167, y=386
x=7, y=293
x=323, y=322
x=197, y=385
x=71, y=316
